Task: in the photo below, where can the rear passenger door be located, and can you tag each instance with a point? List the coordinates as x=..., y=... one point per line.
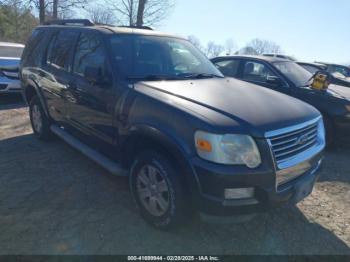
x=55, y=75
x=91, y=104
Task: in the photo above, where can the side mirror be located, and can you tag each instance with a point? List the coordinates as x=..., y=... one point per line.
x=95, y=76
x=274, y=80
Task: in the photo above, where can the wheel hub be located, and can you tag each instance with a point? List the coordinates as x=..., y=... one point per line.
x=153, y=190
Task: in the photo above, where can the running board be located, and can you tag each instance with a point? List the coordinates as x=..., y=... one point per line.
x=100, y=159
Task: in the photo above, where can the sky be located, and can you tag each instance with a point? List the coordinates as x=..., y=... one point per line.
x=310, y=30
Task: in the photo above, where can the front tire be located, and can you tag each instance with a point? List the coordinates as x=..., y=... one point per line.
x=158, y=191
x=39, y=121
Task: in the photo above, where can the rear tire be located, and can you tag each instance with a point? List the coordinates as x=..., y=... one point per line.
x=39, y=120
x=161, y=199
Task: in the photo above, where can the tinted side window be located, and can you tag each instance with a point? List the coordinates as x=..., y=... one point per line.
x=60, y=49
x=90, y=52
x=35, y=48
x=228, y=67
x=256, y=72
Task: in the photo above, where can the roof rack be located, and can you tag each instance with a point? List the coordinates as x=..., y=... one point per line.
x=137, y=27
x=83, y=22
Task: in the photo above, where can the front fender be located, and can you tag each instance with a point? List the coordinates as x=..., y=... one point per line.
x=173, y=147
x=30, y=83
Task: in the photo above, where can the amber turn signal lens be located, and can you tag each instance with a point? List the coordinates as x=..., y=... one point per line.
x=204, y=145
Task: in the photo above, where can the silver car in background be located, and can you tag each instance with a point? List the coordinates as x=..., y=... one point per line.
x=10, y=56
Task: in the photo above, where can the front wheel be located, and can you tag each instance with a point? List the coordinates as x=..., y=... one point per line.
x=40, y=122
x=158, y=191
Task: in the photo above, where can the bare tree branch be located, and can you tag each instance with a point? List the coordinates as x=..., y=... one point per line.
x=141, y=12
x=263, y=46
x=100, y=15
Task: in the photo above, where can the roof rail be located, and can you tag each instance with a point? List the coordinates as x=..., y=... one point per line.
x=137, y=27
x=83, y=22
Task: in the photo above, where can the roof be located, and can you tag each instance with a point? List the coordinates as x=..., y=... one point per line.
x=116, y=30
x=312, y=64
x=331, y=64
x=11, y=44
x=269, y=59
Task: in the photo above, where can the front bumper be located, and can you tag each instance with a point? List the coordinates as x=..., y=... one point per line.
x=8, y=85
x=214, y=179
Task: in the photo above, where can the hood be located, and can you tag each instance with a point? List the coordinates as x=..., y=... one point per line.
x=9, y=62
x=257, y=108
x=338, y=91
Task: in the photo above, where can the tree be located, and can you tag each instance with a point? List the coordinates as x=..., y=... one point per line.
x=263, y=46
x=230, y=46
x=100, y=15
x=195, y=41
x=246, y=51
x=213, y=49
x=58, y=7
x=16, y=21
x=55, y=9
x=141, y=12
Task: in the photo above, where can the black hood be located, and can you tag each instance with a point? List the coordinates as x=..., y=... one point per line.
x=258, y=109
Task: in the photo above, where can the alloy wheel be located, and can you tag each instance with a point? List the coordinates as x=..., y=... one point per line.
x=153, y=190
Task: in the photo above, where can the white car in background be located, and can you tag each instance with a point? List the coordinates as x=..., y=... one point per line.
x=10, y=56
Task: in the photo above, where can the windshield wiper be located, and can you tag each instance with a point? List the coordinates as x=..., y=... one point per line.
x=153, y=77
x=200, y=75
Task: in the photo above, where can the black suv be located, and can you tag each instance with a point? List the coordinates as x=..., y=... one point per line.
x=152, y=107
x=336, y=77
x=288, y=77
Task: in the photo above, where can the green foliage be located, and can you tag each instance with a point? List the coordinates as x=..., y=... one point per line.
x=16, y=22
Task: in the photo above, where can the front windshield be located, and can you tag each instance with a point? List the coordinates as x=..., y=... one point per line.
x=339, y=71
x=294, y=72
x=141, y=57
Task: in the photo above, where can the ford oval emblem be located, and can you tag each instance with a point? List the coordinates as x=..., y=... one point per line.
x=302, y=140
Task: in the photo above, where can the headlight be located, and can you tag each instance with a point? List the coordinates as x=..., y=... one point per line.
x=228, y=149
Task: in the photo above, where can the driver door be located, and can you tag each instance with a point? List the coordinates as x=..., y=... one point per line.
x=259, y=73
x=91, y=104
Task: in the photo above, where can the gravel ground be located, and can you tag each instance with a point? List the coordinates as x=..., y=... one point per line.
x=53, y=200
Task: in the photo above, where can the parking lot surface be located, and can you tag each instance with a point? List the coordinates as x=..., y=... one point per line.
x=53, y=200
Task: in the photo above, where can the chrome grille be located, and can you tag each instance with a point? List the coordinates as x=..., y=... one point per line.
x=288, y=145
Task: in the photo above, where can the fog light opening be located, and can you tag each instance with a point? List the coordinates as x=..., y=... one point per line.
x=239, y=193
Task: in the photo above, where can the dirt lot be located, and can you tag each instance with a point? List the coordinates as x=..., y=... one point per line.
x=53, y=200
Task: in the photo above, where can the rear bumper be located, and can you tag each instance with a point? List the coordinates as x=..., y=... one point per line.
x=267, y=194
x=8, y=85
